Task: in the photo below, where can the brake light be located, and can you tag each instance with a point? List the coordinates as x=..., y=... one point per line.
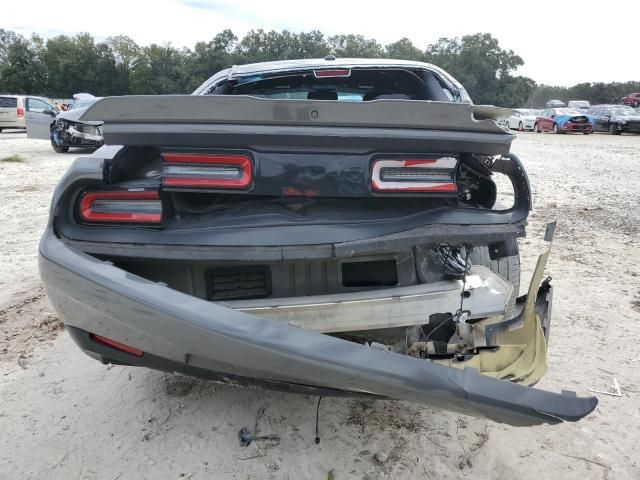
x=20, y=112
x=207, y=170
x=117, y=345
x=121, y=207
x=414, y=175
x=333, y=73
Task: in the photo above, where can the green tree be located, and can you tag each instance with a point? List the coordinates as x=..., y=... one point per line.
x=478, y=62
x=354, y=46
x=78, y=64
x=209, y=58
x=21, y=68
x=126, y=53
x=404, y=49
x=161, y=69
x=65, y=65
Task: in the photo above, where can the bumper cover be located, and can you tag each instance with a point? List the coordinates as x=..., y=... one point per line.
x=182, y=333
x=90, y=137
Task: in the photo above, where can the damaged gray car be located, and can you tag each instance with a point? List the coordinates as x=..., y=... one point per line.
x=66, y=129
x=331, y=226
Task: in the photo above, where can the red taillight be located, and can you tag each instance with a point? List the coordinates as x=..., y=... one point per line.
x=206, y=170
x=117, y=345
x=414, y=175
x=333, y=73
x=20, y=112
x=121, y=207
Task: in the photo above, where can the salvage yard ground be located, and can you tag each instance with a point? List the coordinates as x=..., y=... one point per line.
x=64, y=416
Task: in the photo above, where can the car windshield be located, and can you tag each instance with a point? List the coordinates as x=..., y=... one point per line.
x=527, y=112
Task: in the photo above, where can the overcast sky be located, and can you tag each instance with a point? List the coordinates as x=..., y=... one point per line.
x=562, y=43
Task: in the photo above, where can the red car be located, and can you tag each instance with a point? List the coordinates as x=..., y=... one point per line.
x=563, y=120
x=633, y=100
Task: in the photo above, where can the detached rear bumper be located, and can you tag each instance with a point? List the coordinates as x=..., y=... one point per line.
x=185, y=334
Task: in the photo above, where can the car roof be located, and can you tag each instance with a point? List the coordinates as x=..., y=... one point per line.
x=328, y=61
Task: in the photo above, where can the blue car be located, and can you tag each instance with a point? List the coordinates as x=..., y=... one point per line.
x=563, y=120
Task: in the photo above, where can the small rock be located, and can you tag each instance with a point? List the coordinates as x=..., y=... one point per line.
x=41, y=374
x=273, y=467
x=381, y=457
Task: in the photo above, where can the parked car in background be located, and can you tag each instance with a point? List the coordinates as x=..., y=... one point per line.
x=13, y=109
x=616, y=119
x=633, y=100
x=563, y=120
x=582, y=105
x=326, y=226
x=555, y=104
x=65, y=129
x=523, y=119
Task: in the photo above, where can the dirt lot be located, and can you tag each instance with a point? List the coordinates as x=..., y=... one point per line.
x=64, y=416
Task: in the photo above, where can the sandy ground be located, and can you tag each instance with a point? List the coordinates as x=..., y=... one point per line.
x=64, y=416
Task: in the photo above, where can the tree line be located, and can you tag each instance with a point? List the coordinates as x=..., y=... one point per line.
x=64, y=65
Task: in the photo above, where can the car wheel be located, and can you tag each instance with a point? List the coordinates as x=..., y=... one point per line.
x=556, y=129
x=613, y=130
x=536, y=128
x=59, y=149
x=520, y=127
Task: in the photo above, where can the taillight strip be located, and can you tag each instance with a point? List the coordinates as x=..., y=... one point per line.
x=206, y=170
x=125, y=206
x=438, y=175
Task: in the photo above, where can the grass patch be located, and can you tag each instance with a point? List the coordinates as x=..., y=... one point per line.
x=13, y=159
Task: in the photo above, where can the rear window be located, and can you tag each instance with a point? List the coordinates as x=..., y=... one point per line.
x=8, y=102
x=347, y=85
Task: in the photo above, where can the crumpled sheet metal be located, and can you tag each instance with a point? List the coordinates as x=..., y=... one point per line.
x=521, y=352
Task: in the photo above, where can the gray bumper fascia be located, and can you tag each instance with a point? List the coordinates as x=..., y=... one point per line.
x=97, y=297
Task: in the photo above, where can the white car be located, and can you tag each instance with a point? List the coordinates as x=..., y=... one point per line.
x=522, y=119
x=64, y=129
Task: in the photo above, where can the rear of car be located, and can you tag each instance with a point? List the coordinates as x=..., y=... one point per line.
x=11, y=112
x=523, y=119
x=632, y=100
x=324, y=226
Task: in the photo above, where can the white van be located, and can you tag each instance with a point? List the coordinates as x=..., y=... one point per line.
x=15, y=108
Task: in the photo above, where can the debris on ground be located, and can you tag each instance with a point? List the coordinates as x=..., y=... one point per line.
x=381, y=457
x=13, y=159
x=614, y=390
x=246, y=437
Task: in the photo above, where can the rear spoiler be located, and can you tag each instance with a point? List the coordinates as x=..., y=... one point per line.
x=244, y=109
x=242, y=121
